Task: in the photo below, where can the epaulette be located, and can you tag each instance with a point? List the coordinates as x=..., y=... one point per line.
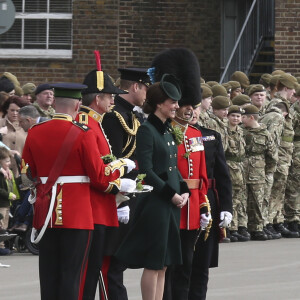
x=81, y=126
x=83, y=118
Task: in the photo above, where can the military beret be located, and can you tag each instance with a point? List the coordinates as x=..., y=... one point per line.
x=235, y=109
x=206, y=91
x=43, y=87
x=218, y=90
x=256, y=88
x=241, y=77
x=288, y=81
x=220, y=102
x=250, y=110
x=212, y=83
x=265, y=79
x=274, y=79
x=241, y=100
x=227, y=86
x=28, y=88
x=277, y=72
x=234, y=85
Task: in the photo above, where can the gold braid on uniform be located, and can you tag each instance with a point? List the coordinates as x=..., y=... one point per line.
x=131, y=132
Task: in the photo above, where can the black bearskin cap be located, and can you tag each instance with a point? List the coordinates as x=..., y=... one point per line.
x=183, y=64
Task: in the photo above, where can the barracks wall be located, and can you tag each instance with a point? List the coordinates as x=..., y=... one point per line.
x=129, y=33
x=287, y=36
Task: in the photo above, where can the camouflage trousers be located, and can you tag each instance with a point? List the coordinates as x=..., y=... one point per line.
x=277, y=198
x=239, y=207
x=267, y=193
x=255, y=198
x=292, y=192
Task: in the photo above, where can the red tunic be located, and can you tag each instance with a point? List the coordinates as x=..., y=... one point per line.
x=191, y=164
x=41, y=148
x=103, y=204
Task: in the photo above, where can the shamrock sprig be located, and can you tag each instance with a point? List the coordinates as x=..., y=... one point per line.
x=139, y=179
x=178, y=135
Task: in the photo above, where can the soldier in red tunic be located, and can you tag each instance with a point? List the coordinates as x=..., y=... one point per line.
x=63, y=159
x=191, y=163
x=97, y=100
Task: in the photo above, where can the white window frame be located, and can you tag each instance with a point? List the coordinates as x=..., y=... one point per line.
x=38, y=53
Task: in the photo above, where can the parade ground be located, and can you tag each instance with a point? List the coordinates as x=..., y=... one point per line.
x=252, y=270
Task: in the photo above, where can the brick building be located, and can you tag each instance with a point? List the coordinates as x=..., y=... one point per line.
x=54, y=40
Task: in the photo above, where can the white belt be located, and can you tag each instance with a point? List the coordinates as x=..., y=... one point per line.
x=60, y=180
x=68, y=179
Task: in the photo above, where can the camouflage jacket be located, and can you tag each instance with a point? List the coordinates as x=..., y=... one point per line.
x=235, y=155
x=204, y=119
x=220, y=126
x=261, y=155
x=274, y=120
x=295, y=112
x=285, y=150
x=49, y=113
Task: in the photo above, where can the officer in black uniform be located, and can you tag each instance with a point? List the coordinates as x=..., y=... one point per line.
x=121, y=126
x=220, y=198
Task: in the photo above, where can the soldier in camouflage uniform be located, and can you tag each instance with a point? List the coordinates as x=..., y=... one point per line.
x=285, y=89
x=205, y=105
x=274, y=120
x=257, y=94
x=260, y=160
x=292, y=192
x=235, y=155
x=218, y=119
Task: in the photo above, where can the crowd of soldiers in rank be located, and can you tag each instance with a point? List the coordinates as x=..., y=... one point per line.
x=260, y=130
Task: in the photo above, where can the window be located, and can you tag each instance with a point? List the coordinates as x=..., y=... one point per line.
x=42, y=29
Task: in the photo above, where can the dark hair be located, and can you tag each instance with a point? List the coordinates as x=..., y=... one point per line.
x=4, y=153
x=3, y=98
x=155, y=95
x=12, y=100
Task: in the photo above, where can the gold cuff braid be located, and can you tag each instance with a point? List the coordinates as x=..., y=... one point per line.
x=116, y=183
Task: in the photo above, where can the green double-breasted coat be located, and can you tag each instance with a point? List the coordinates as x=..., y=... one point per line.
x=153, y=240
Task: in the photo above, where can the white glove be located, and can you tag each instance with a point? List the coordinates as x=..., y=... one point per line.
x=226, y=218
x=130, y=164
x=121, y=198
x=127, y=185
x=123, y=214
x=204, y=220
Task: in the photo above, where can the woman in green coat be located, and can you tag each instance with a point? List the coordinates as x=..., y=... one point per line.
x=153, y=241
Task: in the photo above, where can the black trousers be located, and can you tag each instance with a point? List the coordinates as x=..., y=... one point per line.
x=63, y=255
x=95, y=260
x=177, y=278
x=115, y=274
x=198, y=284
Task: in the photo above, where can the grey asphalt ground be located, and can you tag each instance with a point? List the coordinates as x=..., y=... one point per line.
x=267, y=270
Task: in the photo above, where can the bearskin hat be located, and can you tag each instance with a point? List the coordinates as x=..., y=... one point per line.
x=184, y=65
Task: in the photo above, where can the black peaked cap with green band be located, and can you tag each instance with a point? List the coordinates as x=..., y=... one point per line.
x=68, y=90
